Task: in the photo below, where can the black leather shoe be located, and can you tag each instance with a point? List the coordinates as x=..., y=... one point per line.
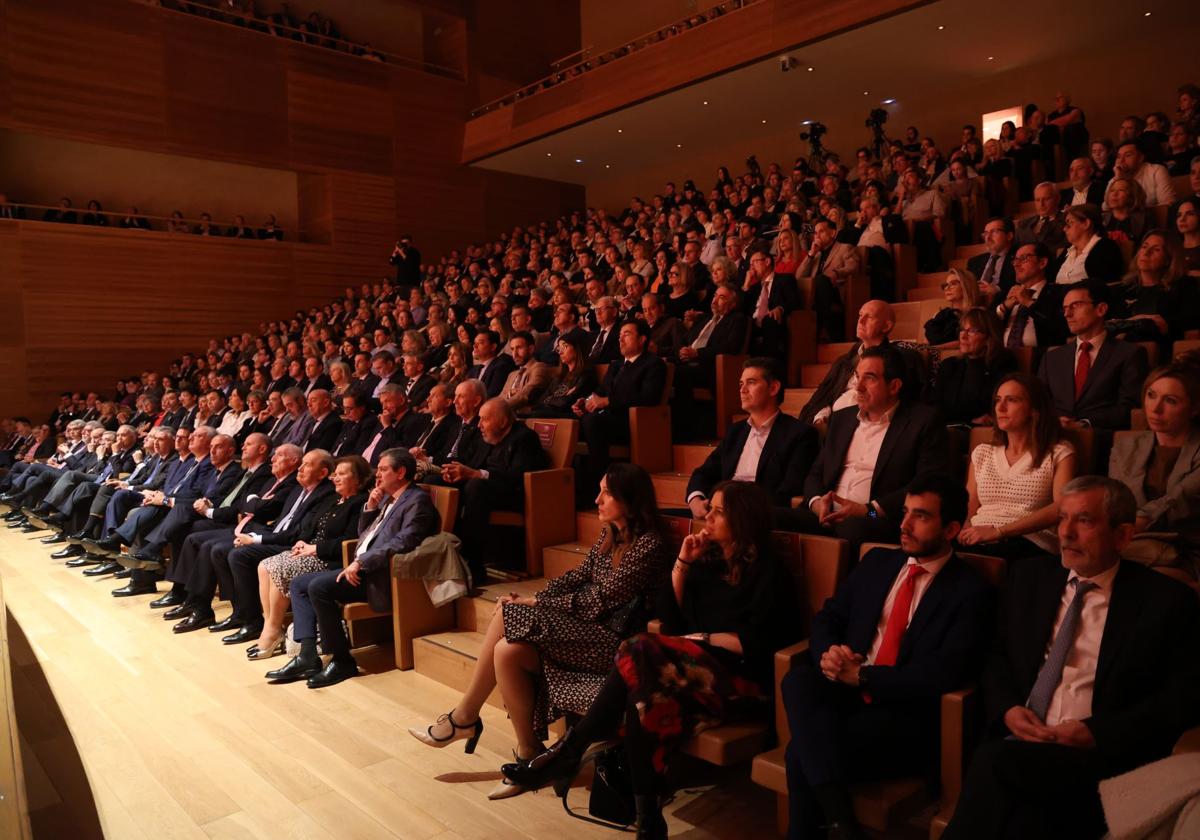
x=19, y=522
x=68, y=552
x=123, y=573
x=224, y=624
x=132, y=588
x=105, y=568
x=56, y=518
x=42, y=509
x=83, y=560
x=193, y=622
x=106, y=544
x=54, y=539
x=296, y=669
x=558, y=763
x=13, y=515
x=246, y=634
x=333, y=673
x=171, y=599
x=182, y=611
x=80, y=536
x=30, y=528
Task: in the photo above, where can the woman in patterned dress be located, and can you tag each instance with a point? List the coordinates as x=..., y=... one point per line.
x=732, y=603
x=1014, y=482
x=315, y=552
x=549, y=653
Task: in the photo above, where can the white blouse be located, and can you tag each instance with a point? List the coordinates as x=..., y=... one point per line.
x=1008, y=492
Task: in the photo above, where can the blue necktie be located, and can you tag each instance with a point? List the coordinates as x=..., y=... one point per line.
x=1050, y=675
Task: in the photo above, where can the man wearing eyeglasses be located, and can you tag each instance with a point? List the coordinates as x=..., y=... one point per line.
x=995, y=268
x=1031, y=312
x=1094, y=380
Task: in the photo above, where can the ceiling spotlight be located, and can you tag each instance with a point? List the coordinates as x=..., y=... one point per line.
x=705, y=102
x=547, y=154
x=810, y=69
x=579, y=160
x=991, y=58
x=620, y=131
x=764, y=122
x=889, y=102
x=806, y=122
x=606, y=166
x=1146, y=15
x=865, y=92
x=678, y=145
x=940, y=28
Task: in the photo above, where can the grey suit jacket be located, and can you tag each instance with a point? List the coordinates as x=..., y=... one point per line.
x=841, y=263
x=1128, y=461
x=413, y=519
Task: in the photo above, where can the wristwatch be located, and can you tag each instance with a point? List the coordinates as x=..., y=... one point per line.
x=872, y=512
x=706, y=638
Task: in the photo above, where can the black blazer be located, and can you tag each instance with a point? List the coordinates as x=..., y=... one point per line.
x=915, y=444
x=1006, y=277
x=787, y=456
x=256, y=485
x=1146, y=691
x=945, y=645
x=785, y=292
x=628, y=384
x=1095, y=194
x=322, y=496
x=610, y=350
x=419, y=392
x=1104, y=262
x=436, y=439
x=1049, y=325
x=355, y=437
x=263, y=508
x=494, y=376
x=508, y=461
x=963, y=388
x=728, y=337
x=838, y=376
x=341, y=525
x=325, y=433
x=1113, y=386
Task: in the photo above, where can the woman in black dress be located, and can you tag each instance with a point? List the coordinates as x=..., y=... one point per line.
x=314, y=552
x=964, y=384
x=731, y=605
x=961, y=289
x=576, y=378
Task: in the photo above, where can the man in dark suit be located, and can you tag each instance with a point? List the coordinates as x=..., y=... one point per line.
x=1093, y=673
x=1046, y=224
x=407, y=260
x=279, y=381
x=187, y=403
x=1085, y=187
x=724, y=331
x=770, y=448
x=905, y=627
x=326, y=425
x=417, y=383
x=359, y=426
x=443, y=427
x=639, y=378
x=407, y=519
x=191, y=570
x=566, y=321
x=1031, y=313
x=995, y=269
x=605, y=346
x=397, y=425
x=315, y=376
x=1096, y=379
x=492, y=476
x=491, y=366
x=769, y=300
x=73, y=489
x=855, y=489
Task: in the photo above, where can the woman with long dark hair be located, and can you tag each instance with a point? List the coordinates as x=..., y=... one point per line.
x=549, y=653
x=576, y=378
x=731, y=605
x=964, y=385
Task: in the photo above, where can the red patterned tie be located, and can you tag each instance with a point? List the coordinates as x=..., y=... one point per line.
x=1082, y=367
x=897, y=621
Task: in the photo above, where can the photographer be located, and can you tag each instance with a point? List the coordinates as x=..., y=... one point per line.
x=407, y=260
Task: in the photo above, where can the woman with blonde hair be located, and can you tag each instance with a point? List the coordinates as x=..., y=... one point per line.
x=961, y=289
x=1159, y=298
x=787, y=252
x=1125, y=217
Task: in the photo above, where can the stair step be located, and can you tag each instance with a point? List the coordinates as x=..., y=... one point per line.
x=830, y=351
x=557, y=559
x=811, y=376
x=931, y=280
x=688, y=456
x=449, y=658
x=474, y=613
x=671, y=488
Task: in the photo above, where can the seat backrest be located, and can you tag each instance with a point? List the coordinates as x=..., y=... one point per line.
x=558, y=438
x=819, y=564
x=989, y=568
x=445, y=499
x=1185, y=345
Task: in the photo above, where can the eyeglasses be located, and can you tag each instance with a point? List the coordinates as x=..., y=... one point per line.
x=950, y=283
x=970, y=331
x=1024, y=257
x=672, y=273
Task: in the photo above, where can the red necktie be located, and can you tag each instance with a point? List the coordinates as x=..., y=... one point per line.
x=1082, y=367
x=897, y=621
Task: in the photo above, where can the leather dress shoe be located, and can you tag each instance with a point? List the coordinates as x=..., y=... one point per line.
x=246, y=634
x=122, y=573
x=224, y=624
x=54, y=539
x=181, y=611
x=107, y=544
x=68, y=552
x=56, y=518
x=83, y=560
x=31, y=528
x=42, y=509
x=333, y=673
x=13, y=515
x=80, y=536
x=105, y=568
x=193, y=622
x=296, y=669
x=171, y=599
x=132, y=588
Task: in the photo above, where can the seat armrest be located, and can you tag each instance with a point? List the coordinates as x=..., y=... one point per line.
x=960, y=709
x=785, y=660
x=654, y=626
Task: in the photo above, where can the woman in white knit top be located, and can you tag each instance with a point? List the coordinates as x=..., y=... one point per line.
x=1014, y=482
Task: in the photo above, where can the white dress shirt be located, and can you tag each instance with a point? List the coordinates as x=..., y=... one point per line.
x=1073, y=269
x=1029, y=336
x=861, y=456
x=931, y=565
x=1072, y=700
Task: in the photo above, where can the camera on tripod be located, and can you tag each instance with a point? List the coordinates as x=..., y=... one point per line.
x=814, y=134
x=876, y=119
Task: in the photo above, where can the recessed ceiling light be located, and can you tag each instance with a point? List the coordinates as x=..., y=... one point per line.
x=678, y=145
x=764, y=122
x=1146, y=15
x=889, y=102
x=606, y=166
x=865, y=92
x=579, y=160
x=806, y=122
x=547, y=154
x=991, y=58
x=940, y=28
x=620, y=130
x=705, y=102
x=810, y=69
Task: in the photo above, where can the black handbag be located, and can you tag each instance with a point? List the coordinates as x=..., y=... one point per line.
x=611, y=803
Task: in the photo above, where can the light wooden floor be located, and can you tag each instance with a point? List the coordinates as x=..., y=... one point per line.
x=181, y=737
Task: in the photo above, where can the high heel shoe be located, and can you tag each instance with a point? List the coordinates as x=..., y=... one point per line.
x=507, y=787
x=265, y=652
x=558, y=765
x=426, y=736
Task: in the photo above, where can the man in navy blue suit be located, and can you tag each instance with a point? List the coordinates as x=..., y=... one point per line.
x=905, y=627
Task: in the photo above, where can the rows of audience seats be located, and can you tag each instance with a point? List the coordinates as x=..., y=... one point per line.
x=832, y=337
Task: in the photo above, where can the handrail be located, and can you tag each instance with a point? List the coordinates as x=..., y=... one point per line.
x=83, y=211
x=655, y=36
x=581, y=53
x=265, y=26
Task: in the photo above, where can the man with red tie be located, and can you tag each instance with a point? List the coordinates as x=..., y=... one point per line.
x=906, y=626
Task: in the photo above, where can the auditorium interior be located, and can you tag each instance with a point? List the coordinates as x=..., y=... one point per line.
x=727, y=418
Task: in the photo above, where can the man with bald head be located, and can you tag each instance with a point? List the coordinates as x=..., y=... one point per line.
x=493, y=478
x=326, y=425
x=191, y=568
x=876, y=319
x=1085, y=187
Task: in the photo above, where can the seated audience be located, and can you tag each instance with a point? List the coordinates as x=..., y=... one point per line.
x=772, y=449
x=1060, y=715
x=1031, y=313
x=1094, y=380
x=396, y=517
x=924, y=211
x=576, y=378
x=1125, y=219
x=965, y=383
x=995, y=268
x=530, y=379
x=1187, y=223
x=95, y=214
x=1091, y=255
x=770, y=295
x=1046, y=225
x=908, y=625
x=531, y=647
x=1085, y=187
x=962, y=292
x=1159, y=301
x=827, y=266
x=1016, y=480
x=491, y=367
x=1153, y=178
x=855, y=489
x=731, y=603
x=1161, y=467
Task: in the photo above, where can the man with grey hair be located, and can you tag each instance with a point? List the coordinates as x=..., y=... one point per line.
x=73, y=489
x=1045, y=225
x=605, y=347
x=1094, y=673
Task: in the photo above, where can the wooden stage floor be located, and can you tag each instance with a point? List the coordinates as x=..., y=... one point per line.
x=180, y=737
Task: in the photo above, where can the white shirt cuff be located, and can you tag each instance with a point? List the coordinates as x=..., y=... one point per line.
x=695, y=494
x=256, y=538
